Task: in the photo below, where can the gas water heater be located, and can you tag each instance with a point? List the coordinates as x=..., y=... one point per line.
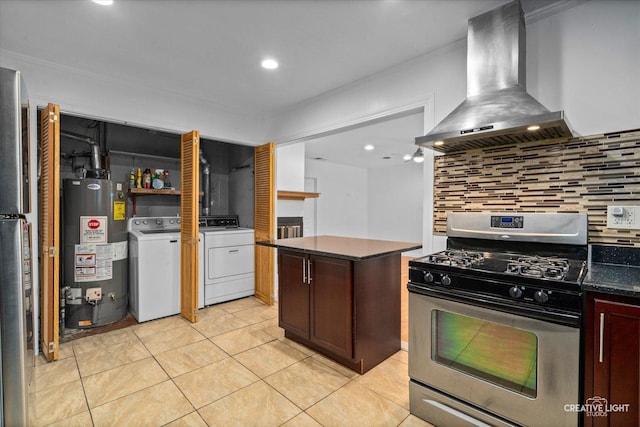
x=94, y=289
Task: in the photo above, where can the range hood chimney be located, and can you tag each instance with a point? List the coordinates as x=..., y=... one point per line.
x=498, y=110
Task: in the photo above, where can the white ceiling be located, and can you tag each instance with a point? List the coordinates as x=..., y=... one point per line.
x=211, y=50
x=392, y=139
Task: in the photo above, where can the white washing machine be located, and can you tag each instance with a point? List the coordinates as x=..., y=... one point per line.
x=229, y=270
x=154, y=267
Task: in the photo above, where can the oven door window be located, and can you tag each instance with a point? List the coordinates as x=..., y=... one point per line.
x=499, y=354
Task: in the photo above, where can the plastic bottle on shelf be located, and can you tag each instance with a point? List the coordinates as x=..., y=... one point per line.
x=157, y=182
x=132, y=179
x=146, y=179
x=139, y=180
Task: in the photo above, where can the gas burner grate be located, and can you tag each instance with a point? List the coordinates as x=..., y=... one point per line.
x=537, y=266
x=457, y=258
x=562, y=263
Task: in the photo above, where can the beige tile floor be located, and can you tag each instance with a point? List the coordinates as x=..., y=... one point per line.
x=232, y=368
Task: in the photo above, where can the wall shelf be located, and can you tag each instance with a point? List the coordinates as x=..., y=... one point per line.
x=135, y=192
x=151, y=191
x=296, y=195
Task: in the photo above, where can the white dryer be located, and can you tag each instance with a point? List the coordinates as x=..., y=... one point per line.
x=154, y=267
x=229, y=259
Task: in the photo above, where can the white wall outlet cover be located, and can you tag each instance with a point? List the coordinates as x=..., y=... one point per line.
x=623, y=217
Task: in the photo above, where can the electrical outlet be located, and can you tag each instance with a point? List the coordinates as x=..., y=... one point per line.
x=629, y=217
x=623, y=217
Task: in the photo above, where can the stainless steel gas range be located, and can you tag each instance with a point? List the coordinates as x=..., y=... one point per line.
x=495, y=321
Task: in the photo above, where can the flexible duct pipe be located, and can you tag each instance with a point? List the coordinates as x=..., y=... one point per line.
x=206, y=185
x=96, y=161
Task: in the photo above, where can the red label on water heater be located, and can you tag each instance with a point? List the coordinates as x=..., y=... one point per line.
x=93, y=229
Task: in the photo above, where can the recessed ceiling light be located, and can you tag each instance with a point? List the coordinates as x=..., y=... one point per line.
x=369, y=147
x=103, y=2
x=533, y=127
x=438, y=143
x=269, y=64
x=407, y=157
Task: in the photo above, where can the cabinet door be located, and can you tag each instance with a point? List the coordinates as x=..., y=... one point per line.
x=617, y=367
x=189, y=258
x=293, y=293
x=332, y=304
x=50, y=231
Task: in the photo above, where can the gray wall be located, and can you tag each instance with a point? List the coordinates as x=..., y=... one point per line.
x=133, y=147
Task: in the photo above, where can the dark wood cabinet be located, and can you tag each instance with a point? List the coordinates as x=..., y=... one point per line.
x=331, y=303
x=315, y=296
x=348, y=310
x=294, y=293
x=612, y=354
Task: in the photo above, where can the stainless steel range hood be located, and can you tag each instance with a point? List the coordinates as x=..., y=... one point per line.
x=498, y=110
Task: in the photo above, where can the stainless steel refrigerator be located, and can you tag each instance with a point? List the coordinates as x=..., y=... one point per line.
x=16, y=300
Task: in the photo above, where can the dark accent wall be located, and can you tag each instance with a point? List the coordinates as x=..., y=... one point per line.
x=584, y=174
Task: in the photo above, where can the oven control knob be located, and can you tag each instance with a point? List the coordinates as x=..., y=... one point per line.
x=541, y=296
x=515, y=292
x=446, y=280
x=428, y=277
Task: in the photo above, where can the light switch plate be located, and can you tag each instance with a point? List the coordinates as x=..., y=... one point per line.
x=623, y=217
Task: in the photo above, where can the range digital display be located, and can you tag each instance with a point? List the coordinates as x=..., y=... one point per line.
x=507, y=221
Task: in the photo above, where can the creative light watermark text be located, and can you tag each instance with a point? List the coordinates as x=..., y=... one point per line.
x=597, y=407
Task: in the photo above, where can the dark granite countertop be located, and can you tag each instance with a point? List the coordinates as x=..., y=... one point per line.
x=614, y=270
x=350, y=248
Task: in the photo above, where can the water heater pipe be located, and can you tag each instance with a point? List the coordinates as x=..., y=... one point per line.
x=206, y=185
x=96, y=161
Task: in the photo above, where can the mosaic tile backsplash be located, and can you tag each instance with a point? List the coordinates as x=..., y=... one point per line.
x=583, y=174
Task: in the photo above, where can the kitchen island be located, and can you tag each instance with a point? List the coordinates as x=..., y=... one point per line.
x=340, y=296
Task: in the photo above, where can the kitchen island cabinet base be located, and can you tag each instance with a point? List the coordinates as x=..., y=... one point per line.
x=373, y=320
x=357, y=366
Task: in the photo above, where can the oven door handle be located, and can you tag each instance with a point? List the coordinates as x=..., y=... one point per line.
x=557, y=316
x=601, y=355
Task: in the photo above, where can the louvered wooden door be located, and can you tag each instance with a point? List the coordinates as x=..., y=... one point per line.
x=190, y=149
x=50, y=230
x=264, y=221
